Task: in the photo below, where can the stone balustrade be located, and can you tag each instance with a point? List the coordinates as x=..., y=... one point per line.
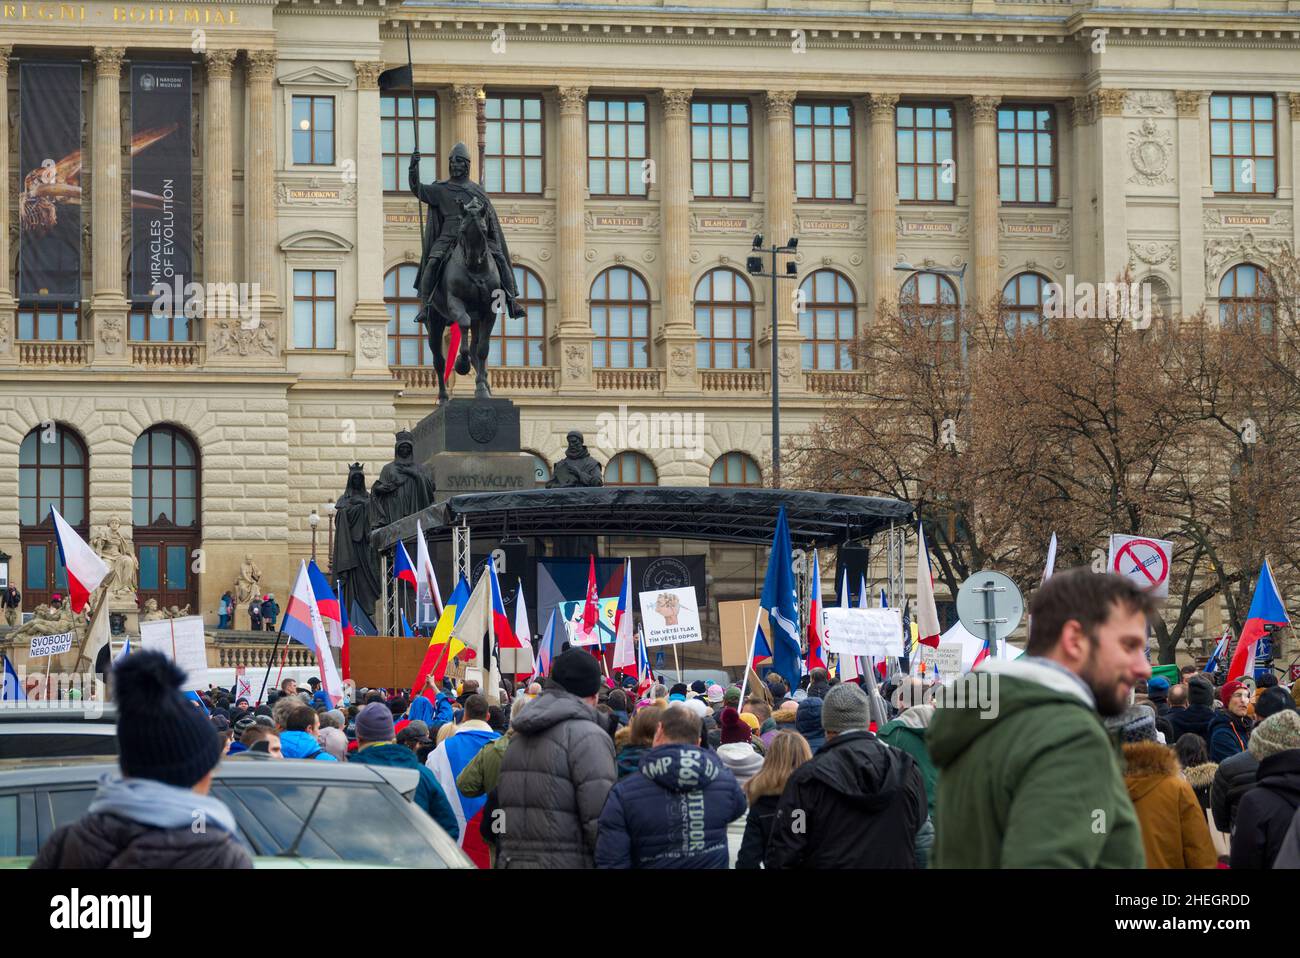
x=162, y=355
x=59, y=352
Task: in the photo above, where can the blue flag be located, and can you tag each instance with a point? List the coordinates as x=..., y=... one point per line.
x=406, y=626
x=781, y=601
x=11, y=690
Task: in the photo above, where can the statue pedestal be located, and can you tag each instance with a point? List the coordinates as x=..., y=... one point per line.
x=468, y=425
x=456, y=473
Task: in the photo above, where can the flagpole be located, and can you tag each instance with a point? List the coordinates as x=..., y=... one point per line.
x=749, y=659
x=415, y=117
x=271, y=661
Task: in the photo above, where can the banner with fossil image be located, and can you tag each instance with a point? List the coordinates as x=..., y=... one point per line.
x=49, y=202
x=161, y=214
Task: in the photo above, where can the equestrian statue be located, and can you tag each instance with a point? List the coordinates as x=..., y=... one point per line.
x=465, y=279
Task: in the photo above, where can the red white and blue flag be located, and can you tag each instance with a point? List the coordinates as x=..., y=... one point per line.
x=303, y=624
x=643, y=671
x=816, y=629
x=761, y=649
x=1213, y=664
x=326, y=601
x=446, y=762
x=85, y=569
x=1265, y=609
x=403, y=567
x=345, y=628
x=927, y=615
x=624, y=651
x=545, y=652
x=428, y=597
x=503, y=633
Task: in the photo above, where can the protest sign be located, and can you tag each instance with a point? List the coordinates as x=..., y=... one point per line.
x=182, y=641
x=1145, y=562
x=870, y=632
x=43, y=645
x=670, y=617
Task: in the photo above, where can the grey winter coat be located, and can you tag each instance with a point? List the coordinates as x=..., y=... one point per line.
x=555, y=777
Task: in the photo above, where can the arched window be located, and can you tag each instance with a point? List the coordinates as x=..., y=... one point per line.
x=724, y=318
x=524, y=339
x=1022, y=302
x=620, y=318
x=165, y=515
x=829, y=320
x=408, y=343
x=931, y=300
x=631, y=469
x=1246, y=296
x=735, y=469
x=52, y=471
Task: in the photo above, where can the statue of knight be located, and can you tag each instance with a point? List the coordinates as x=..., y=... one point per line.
x=465, y=277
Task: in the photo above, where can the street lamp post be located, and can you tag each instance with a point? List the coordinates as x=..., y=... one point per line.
x=961, y=294
x=313, y=520
x=329, y=519
x=754, y=264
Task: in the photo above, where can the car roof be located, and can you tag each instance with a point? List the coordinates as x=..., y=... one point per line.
x=57, y=727
x=228, y=772
x=96, y=713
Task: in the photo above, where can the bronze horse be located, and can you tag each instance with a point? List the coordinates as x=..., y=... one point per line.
x=470, y=295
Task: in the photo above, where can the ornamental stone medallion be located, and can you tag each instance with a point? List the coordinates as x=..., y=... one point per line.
x=1150, y=150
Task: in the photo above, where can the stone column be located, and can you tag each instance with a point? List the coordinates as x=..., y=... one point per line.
x=984, y=208
x=370, y=315
x=1083, y=229
x=884, y=198
x=108, y=305
x=1191, y=224
x=1111, y=173
x=223, y=328
x=8, y=306
x=677, y=336
x=780, y=227
x=261, y=222
x=573, y=333
x=465, y=97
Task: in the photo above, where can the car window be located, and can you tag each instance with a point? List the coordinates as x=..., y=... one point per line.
x=69, y=805
x=52, y=745
x=8, y=826
x=274, y=809
x=387, y=838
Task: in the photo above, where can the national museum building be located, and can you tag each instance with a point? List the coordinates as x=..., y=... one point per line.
x=632, y=153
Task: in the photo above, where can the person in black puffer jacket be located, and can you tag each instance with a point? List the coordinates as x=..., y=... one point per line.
x=1199, y=712
x=1235, y=775
x=788, y=751
x=858, y=804
x=1265, y=812
x=146, y=817
x=674, y=812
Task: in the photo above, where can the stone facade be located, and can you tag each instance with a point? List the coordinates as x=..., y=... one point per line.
x=276, y=424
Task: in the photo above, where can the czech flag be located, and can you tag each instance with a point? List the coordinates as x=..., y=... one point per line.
x=762, y=650
x=624, y=653
x=503, y=632
x=1213, y=664
x=11, y=690
x=545, y=652
x=1265, y=609
x=302, y=623
x=446, y=762
x=816, y=658
x=404, y=568
x=85, y=569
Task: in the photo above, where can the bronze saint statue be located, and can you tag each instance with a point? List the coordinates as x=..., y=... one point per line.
x=577, y=468
x=354, y=562
x=403, y=488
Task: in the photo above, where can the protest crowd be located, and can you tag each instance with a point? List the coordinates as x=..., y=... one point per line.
x=583, y=769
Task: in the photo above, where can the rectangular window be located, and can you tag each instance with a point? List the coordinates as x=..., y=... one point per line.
x=313, y=130
x=146, y=327
x=823, y=151
x=512, y=162
x=720, y=149
x=397, y=138
x=313, y=309
x=1243, y=150
x=1027, y=154
x=49, y=323
x=617, y=147
x=926, y=153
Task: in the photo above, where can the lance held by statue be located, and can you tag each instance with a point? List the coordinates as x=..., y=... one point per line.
x=465, y=278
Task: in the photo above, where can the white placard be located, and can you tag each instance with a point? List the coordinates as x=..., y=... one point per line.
x=946, y=658
x=1144, y=562
x=182, y=641
x=243, y=685
x=871, y=632
x=669, y=617
x=43, y=645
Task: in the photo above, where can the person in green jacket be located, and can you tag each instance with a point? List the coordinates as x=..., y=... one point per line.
x=1028, y=776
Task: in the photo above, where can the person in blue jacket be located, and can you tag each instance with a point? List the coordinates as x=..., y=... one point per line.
x=298, y=737
x=434, y=713
x=673, y=812
x=377, y=745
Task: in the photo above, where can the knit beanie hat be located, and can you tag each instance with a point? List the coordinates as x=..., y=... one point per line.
x=808, y=717
x=375, y=723
x=1278, y=732
x=714, y=694
x=1158, y=688
x=733, y=729
x=845, y=709
x=1199, y=691
x=160, y=735
x=1134, y=724
x=1271, y=701
x=1225, y=693
x=678, y=689
x=577, y=672
x=731, y=696
x=750, y=719
x=699, y=687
